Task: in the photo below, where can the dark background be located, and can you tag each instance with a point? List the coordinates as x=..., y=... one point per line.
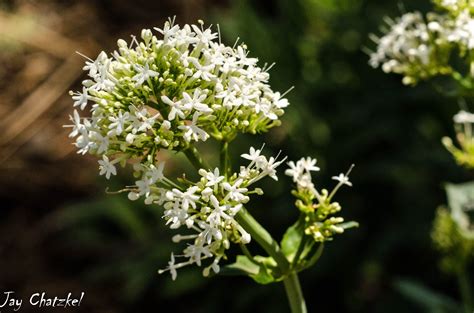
x=61, y=232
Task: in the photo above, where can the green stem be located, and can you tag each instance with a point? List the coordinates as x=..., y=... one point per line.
x=224, y=158
x=294, y=294
x=247, y=253
x=465, y=288
x=315, y=256
x=193, y=156
x=263, y=238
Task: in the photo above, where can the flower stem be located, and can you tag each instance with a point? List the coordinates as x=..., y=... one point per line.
x=263, y=238
x=294, y=294
x=465, y=288
x=193, y=156
x=224, y=158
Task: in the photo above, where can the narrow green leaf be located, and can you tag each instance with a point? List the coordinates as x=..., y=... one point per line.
x=426, y=298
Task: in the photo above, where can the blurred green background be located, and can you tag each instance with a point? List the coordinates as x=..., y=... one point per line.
x=61, y=232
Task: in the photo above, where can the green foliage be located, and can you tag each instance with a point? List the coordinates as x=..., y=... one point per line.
x=451, y=235
x=292, y=239
x=262, y=270
x=428, y=300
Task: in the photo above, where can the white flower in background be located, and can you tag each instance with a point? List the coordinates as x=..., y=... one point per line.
x=405, y=47
x=455, y=6
x=317, y=205
x=462, y=31
x=463, y=117
x=301, y=171
x=343, y=179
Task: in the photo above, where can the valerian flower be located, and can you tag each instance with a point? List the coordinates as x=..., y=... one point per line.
x=169, y=92
x=316, y=205
x=421, y=47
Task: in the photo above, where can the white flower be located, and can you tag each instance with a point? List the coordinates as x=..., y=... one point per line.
x=176, y=108
x=309, y=164
x=463, y=117
x=218, y=213
x=463, y=30
x=204, y=36
x=172, y=268
x=209, y=233
x=235, y=192
x=168, y=30
x=188, y=198
x=343, y=179
x=80, y=99
x=118, y=123
x=106, y=167
x=253, y=154
x=143, y=74
x=192, y=131
x=213, y=178
x=175, y=214
x=295, y=170
x=197, y=251
x=78, y=126
x=405, y=47
x=268, y=168
x=301, y=171
x=156, y=173
x=196, y=101
x=102, y=80
x=94, y=66
x=83, y=142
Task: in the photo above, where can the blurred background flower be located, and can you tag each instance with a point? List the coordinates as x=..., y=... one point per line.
x=60, y=231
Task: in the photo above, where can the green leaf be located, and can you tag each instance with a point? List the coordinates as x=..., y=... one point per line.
x=242, y=266
x=261, y=270
x=426, y=298
x=292, y=239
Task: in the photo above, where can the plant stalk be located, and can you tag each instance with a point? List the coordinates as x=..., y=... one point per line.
x=465, y=289
x=193, y=156
x=224, y=158
x=263, y=238
x=294, y=293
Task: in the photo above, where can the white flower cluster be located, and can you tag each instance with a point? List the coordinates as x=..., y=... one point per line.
x=206, y=210
x=170, y=92
x=419, y=47
x=461, y=30
x=406, y=48
x=317, y=223
x=455, y=6
x=463, y=152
